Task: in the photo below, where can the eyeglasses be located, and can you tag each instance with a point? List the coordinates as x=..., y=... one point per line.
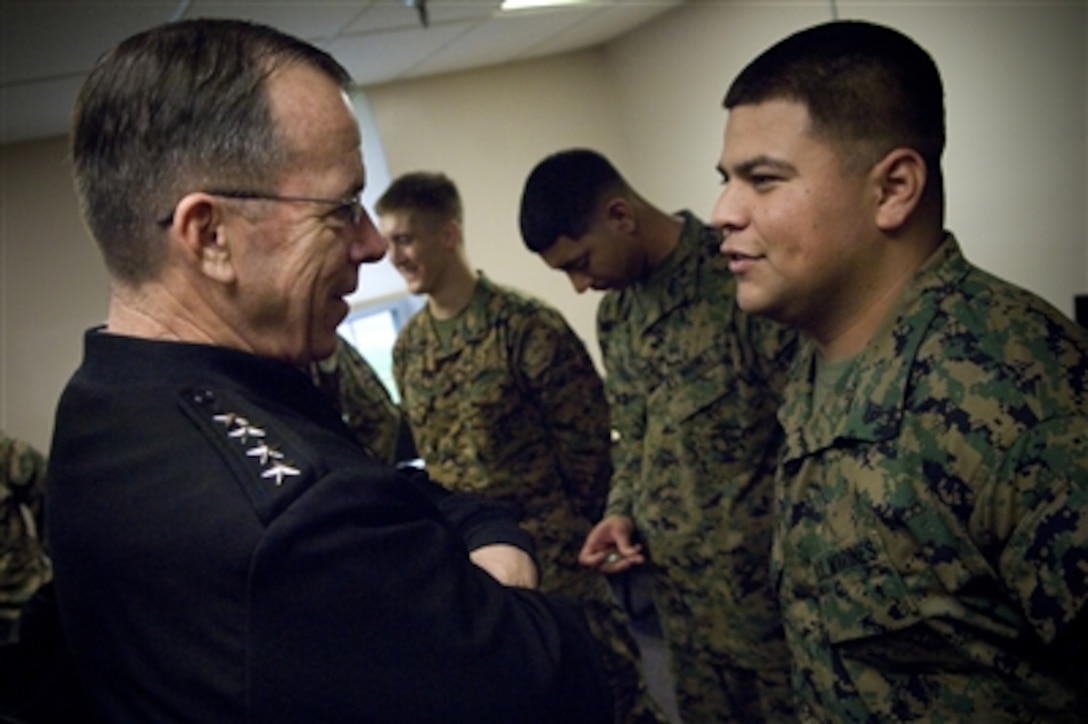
x=351, y=210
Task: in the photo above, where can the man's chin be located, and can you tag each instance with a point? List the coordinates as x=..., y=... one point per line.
x=751, y=301
x=322, y=349
x=323, y=342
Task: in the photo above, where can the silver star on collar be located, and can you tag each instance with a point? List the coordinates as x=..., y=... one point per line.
x=263, y=453
x=279, y=471
x=271, y=460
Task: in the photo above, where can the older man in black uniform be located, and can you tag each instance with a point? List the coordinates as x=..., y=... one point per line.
x=224, y=549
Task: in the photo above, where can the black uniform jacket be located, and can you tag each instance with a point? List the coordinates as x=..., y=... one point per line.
x=226, y=552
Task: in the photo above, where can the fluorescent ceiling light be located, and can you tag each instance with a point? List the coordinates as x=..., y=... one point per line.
x=513, y=5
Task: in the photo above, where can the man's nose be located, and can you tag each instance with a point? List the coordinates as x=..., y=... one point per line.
x=368, y=245
x=727, y=216
x=579, y=281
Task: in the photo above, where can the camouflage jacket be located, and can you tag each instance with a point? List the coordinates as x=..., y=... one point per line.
x=24, y=565
x=932, y=546
x=364, y=403
x=693, y=384
x=514, y=409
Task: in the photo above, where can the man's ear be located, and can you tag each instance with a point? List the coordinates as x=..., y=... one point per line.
x=200, y=230
x=900, y=182
x=619, y=214
x=452, y=233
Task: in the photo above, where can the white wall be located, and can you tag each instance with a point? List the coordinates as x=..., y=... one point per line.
x=381, y=280
x=678, y=69
x=1016, y=77
x=486, y=130
x=52, y=285
x=1014, y=80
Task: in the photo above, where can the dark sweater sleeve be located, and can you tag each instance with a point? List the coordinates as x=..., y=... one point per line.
x=477, y=520
x=400, y=626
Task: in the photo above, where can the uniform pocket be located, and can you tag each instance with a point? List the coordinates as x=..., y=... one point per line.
x=698, y=385
x=861, y=595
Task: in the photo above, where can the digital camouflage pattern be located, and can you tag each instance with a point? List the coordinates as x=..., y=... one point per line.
x=694, y=384
x=514, y=409
x=24, y=565
x=364, y=402
x=932, y=550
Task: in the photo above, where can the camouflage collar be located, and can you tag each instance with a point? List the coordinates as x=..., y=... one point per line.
x=871, y=406
x=672, y=284
x=471, y=325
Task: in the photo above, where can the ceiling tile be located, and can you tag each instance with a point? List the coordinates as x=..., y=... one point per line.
x=505, y=35
x=603, y=25
x=50, y=39
x=379, y=57
x=313, y=21
x=37, y=110
x=400, y=14
x=57, y=42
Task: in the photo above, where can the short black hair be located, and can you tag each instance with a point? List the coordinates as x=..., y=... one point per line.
x=431, y=194
x=868, y=89
x=561, y=194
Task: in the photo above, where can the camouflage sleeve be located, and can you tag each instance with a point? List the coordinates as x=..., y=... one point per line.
x=24, y=565
x=399, y=356
x=628, y=408
x=362, y=398
x=1038, y=502
x=561, y=377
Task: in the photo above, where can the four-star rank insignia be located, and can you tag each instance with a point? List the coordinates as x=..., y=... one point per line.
x=274, y=466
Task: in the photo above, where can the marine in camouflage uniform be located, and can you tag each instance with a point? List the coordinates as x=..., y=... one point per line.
x=513, y=408
x=24, y=565
x=503, y=400
x=364, y=402
x=933, y=540
x=693, y=385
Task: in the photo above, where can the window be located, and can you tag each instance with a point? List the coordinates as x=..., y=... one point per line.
x=373, y=329
x=381, y=305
